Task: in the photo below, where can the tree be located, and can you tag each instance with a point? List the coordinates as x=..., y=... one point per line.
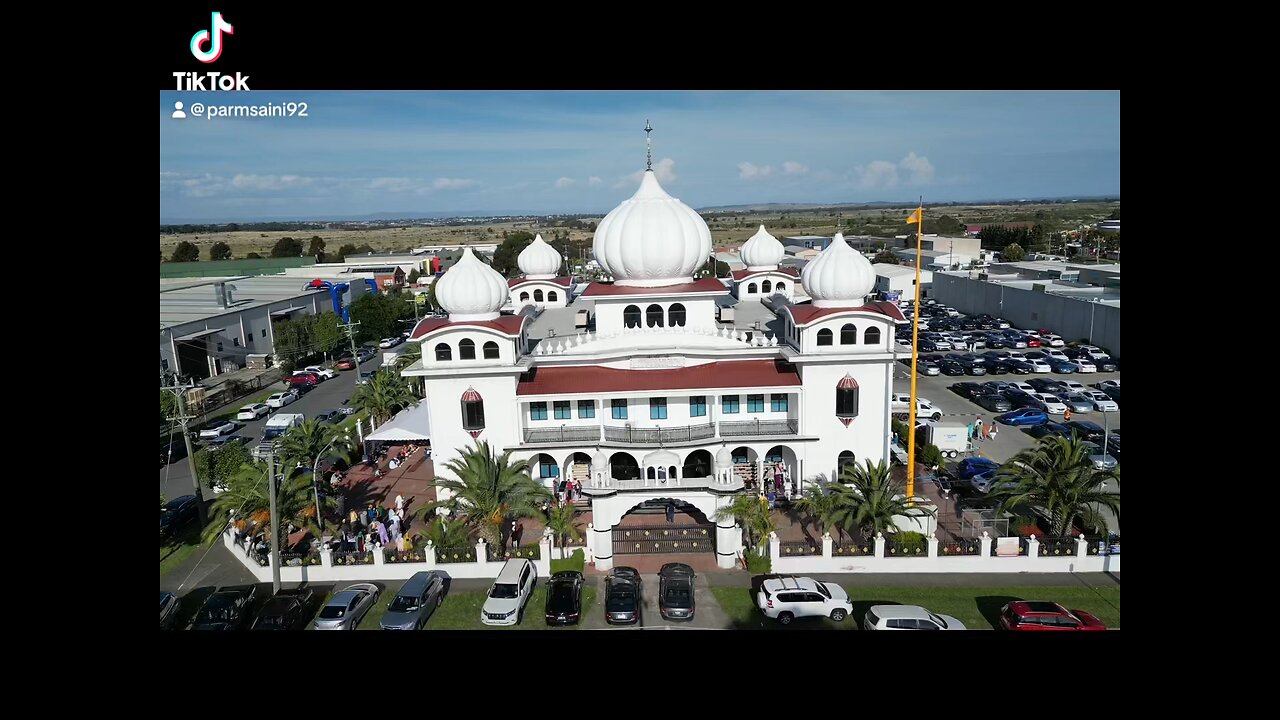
x=345, y=250
x=253, y=256
x=489, y=490
x=1057, y=478
x=504, y=258
x=446, y=534
x=868, y=499
x=294, y=338
x=186, y=251
x=752, y=513
x=384, y=395
x=413, y=276
x=380, y=315
x=219, y=251
x=287, y=247
x=1012, y=253
x=168, y=405
x=326, y=333
x=820, y=504
x=216, y=466
x=316, y=249
x=302, y=444
x=246, y=498
x=562, y=522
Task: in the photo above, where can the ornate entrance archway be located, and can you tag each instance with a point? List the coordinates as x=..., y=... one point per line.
x=644, y=530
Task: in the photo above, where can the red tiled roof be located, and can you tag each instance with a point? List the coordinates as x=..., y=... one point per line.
x=562, y=281
x=506, y=324
x=743, y=274
x=805, y=314
x=599, y=289
x=728, y=374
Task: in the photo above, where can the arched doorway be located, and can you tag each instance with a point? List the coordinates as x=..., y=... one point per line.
x=545, y=469
x=577, y=467
x=646, y=530
x=780, y=463
x=697, y=465
x=623, y=466
x=746, y=466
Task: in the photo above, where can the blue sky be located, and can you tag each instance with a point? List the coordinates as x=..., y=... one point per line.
x=551, y=152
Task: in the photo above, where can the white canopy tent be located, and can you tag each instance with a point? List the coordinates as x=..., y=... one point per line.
x=410, y=424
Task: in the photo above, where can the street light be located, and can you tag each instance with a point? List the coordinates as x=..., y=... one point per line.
x=315, y=476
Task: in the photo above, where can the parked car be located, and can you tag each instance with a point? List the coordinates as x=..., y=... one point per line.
x=328, y=416
x=1062, y=367
x=302, y=377
x=1025, y=615
x=346, y=363
x=1047, y=385
x=1093, y=351
x=1025, y=416
x=622, y=596
x=226, y=609
x=1051, y=404
x=976, y=465
x=1039, y=366
x=1049, y=429
x=1087, y=429
x=1101, y=402
x=509, y=593
x=996, y=367
x=254, y=411
x=286, y=610
x=324, y=372
x=365, y=377
x=168, y=610
x=1105, y=364
x=1084, y=365
x=990, y=480
x=347, y=607
x=901, y=403
x=366, y=354
x=675, y=591
x=996, y=386
x=952, y=368
x=1019, y=367
x=907, y=617
x=390, y=342
x=1100, y=458
x=176, y=513
x=413, y=604
x=928, y=367
x=1113, y=392
x=225, y=440
x=1103, y=385
x=217, y=428
x=994, y=402
x=1052, y=340
x=564, y=598
x=965, y=389
x=787, y=598
x=280, y=399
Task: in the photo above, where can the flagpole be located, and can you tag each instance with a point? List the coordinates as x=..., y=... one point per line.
x=915, y=358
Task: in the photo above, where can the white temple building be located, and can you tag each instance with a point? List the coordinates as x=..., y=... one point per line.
x=662, y=402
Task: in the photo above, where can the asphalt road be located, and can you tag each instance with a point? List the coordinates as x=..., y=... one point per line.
x=332, y=394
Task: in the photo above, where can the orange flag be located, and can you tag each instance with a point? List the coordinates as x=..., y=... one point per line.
x=914, y=217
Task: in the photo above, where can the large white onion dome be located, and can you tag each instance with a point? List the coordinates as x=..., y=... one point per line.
x=724, y=458
x=539, y=261
x=471, y=290
x=652, y=239
x=762, y=251
x=839, y=277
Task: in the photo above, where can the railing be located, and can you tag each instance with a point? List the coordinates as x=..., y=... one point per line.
x=759, y=427
x=298, y=559
x=564, y=433
x=1057, y=547
x=353, y=558
x=456, y=555
x=497, y=554
x=658, y=435
x=915, y=547
x=392, y=555
x=799, y=548
x=1098, y=546
x=867, y=548
x=960, y=547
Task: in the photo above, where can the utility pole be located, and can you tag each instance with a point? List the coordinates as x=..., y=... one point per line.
x=275, y=522
x=182, y=418
x=350, y=328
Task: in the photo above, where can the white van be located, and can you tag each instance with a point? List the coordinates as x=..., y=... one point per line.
x=510, y=593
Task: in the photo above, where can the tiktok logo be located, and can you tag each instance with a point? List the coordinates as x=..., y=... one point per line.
x=213, y=36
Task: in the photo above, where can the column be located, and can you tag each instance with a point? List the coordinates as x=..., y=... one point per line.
x=933, y=544
x=1082, y=547
x=727, y=544
x=481, y=556
x=429, y=553
x=879, y=545
x=827, y=545
x=602, y=542
x=984, y=545
x=1033, y=547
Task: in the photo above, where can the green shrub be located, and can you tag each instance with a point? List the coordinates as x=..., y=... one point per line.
x=909, y=541
x=929, y=455
x=900, y=429
x=759, y=564
x=576, y=561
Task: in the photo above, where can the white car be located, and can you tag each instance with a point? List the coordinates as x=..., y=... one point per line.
x=1016, y=341
x=1049, y=403
x=323, y=372
x=902, y=346
x=1057, y=355
x=1073, y=386
x=1052, y=341
x=1106, y=384
x=1094, y=352
x=986, y=482
x=218, y=429
x=1002, y=323
x=254, y=411
x=390, y=342
x=787, y=598
x=901, y=403
x=1101, y=402
x=942, y=343
x=281, y=399
x=510, y=593
x=1038, y=365
x=1015, y=355
x=1084, y=365
x=907, y=617
x=1025, y=387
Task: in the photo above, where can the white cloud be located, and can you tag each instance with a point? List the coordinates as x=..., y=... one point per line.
x=269, y=182
x=750, y=171
x=920, y=168
x=395, y=184
x=792, y=167
x=884, y=174
x=564, y=182
x=664, y=169
x=453, y=183
x=593, y=181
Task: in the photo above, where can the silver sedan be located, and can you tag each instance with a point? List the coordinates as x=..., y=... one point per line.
x=347, y=607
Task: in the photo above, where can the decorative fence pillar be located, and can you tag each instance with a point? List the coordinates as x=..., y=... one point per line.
x=482, y=557
x=1082, y=547
x=984, y=545
x=1033, y=547
x=880, y=545
x=326, y=558
x=827, y=544
x=933, y=544
x=379, y=557
x=430, y=554
x=591, y=547
x=775, y=547
x=544, y=545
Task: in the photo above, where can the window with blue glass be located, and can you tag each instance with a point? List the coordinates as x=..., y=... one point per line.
x=619, y=409
x=729, y=404
x=586, y=409
x=562, y=410
x=755, y=403
x=657, y=408
x=698, y=406
x=547, y=470
x=778, y=402
x=538, y=411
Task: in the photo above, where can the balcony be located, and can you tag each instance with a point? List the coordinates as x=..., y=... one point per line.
x=762, y=428
x=565, y=434
x=658, y=435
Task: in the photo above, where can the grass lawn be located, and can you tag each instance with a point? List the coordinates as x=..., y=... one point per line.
x=976, y=607
x=461, y=611
x=180, y=548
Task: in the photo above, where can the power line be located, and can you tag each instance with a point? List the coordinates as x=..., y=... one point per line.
x=181, y=417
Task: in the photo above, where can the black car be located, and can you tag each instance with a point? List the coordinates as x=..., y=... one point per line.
x=622, y=596
x=1106, y=364
x=1087, y=429
x=994, y=354
x=995, y=342
x=1045, y=385
x=1049, y=429
x=951, y=367
x=564, y=598
x=995, y=402
x=286, y=611
x=1020, y=367
x=675, y=591
x=226, y=609
x=1019, y=399
x=965, y=389
x=329, y=416
x=975, y=369
x=175, y=514
x=168, y=609
x=926, y=345
x=996, y=367
x=996, y=386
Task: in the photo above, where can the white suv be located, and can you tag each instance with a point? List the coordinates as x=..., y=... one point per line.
x=324, y=372
x=901, y=403
x=510, y=593
x=787, y=598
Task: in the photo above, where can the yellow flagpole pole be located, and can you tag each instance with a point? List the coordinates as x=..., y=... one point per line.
x=915, y=358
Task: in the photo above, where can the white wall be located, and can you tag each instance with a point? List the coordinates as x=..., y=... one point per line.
x=547, y=287
x=742, y=290
x=862, y=321
x=865, y=436
x=502, y=425
x=936, y=562
x=698, y=311
x=453, y=336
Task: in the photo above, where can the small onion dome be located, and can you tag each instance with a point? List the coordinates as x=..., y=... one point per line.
x=539, y=261
x=471, y=290
x=839, y=277
x=471, y=395
x=724, y=458
x=762, y=251
x=847, y=382
x=599, y=461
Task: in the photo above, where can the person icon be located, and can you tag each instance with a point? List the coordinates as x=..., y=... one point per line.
x=177, y=110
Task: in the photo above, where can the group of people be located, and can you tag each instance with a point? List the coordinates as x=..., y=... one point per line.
x=978, y=430
x=373, y=528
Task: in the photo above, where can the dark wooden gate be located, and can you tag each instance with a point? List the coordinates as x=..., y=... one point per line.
x=663, y=539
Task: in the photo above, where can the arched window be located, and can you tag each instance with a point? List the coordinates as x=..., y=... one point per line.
x=552, y=296
x=652, y=473
x=871, y=336
x=671, y=472
x=491, y=350
x=631, y=316
x=443, y=352
x=766, y=286
x=675, y=315
x=624, y=467
x=524, y=295
x=845, y=460
x=849, y=335
x=697, y=465
x=780, y=287
x=537, y=296
x=466, y=349
x=472, y=412
x=751, y=289
x=847, y=399
x=653, y=316
x=824, y=336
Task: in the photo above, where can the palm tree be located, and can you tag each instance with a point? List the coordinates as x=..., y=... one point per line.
x=409, y=354
x=246, y=495
x=562, y=523
x=752, y=513
x=445, y=533
x=868, y=499
x=303, y=443
x=384, y=394
x=488, y=490
x=1057, y=478
x=821, y=504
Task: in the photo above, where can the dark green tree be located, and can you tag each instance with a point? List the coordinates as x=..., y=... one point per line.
x=345, y=250
x=287, y=247
x=1012, y=253
x=316, y=248
x=253, y=256
x=185, y=252
x=504, y=259
x=886, y=256
x=380, y=315
x=413, y=276
x=216, y=466
x=219, y=251
x=325, y=333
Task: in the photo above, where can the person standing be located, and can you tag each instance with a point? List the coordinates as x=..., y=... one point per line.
x=400, y=504
x=977, y=427
x=994, y=429
x=671, y=512
x=511, y=536
x=516, y=533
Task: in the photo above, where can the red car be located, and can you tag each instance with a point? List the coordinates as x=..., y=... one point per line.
x=1026, y=615
x=1033, y=342
x=303, y=379
x=345, y=363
